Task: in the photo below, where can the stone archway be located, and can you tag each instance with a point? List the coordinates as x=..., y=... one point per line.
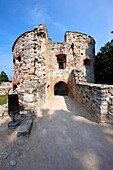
x=61, y=88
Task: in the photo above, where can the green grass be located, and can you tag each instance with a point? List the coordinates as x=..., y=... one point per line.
x=3, y=99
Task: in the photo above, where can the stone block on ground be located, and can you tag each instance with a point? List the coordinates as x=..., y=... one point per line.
x=25, y=127
x=27, y=114
x=12, y=162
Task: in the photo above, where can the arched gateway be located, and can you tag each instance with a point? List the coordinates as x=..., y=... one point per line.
x=61, y=89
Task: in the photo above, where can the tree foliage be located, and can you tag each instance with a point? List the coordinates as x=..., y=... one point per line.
x=104, y=64
x=3, y=77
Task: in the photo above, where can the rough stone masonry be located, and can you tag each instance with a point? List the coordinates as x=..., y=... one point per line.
x=39, y=65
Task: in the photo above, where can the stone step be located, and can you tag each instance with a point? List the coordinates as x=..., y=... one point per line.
x=25, y=127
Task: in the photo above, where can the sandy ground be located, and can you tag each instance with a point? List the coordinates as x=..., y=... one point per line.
x=64, y=137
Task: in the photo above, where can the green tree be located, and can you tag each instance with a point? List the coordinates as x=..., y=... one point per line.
x=104, y=64
x=3, y=77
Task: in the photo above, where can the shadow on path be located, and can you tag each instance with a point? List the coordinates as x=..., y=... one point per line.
x=64, y=137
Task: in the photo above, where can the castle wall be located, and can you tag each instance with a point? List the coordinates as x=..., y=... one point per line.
x=83, y=48
x=23, y=58
x=37, y=60
x=77, y=47
x=96, y=98
x=29, y=72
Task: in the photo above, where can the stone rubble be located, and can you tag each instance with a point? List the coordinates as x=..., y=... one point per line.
x=12, y=162
x=4, y=155
x=26, y=117
x=5, y=87
x=16, y=154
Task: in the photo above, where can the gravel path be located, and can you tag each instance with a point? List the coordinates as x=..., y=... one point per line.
x=64, y=137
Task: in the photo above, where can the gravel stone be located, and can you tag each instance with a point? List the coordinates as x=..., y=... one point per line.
x=4, y=155
x=12, y=162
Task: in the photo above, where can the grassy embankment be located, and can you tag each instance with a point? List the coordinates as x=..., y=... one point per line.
x=3, y=99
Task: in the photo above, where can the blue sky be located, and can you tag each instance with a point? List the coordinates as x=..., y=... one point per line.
x=93, y=17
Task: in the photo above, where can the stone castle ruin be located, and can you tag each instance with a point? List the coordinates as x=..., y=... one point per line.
x=42, y=68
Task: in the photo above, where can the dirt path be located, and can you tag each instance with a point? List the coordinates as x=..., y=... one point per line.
x=64, y=137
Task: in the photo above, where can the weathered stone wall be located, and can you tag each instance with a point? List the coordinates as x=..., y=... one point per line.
x=31, y=95
x=29, y=52
x=29, y=72
x=110, y=104
x=77, y=47
x=23, y=58
x=83, y=49
x=5, y=87
x=37, y=59
x=96, y=98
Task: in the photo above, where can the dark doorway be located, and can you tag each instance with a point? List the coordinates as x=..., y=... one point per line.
x=61, y=89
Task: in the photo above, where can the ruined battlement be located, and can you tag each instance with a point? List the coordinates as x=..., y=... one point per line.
x=40, y=66
x=35, y=56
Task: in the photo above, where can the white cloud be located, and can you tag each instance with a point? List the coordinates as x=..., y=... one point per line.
x=59, y=25
x=38, y=15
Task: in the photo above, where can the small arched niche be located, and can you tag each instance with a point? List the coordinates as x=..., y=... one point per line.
x=86, y=62
x=61, y=89
x=19, y=58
